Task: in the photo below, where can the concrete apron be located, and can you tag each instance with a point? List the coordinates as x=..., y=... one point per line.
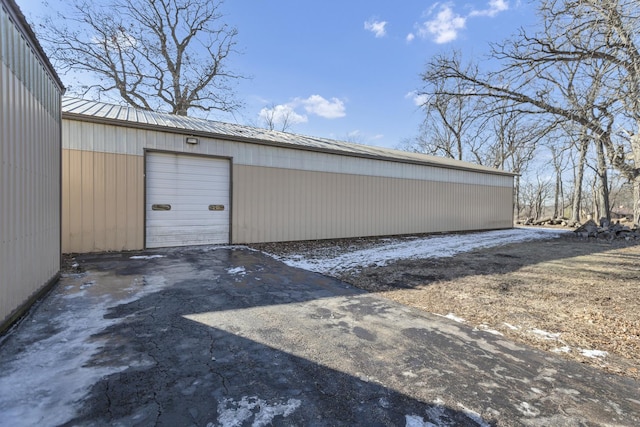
x=217, y=336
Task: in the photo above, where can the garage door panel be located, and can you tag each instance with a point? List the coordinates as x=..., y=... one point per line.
x=189, y=185
x=168, y=237
x=191, y=222
x=186, y=229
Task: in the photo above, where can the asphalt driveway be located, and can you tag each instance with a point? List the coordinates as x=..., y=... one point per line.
x=220, y=336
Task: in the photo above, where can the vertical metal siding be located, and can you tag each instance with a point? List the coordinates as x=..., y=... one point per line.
x=103, y=201
x=82, y=135
x=29, y=171
x=272, y=204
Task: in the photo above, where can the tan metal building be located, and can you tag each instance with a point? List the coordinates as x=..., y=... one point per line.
x=30, y=154
x=134, y=179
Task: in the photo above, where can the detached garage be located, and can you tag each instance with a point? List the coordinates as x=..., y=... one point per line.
x=136, y=179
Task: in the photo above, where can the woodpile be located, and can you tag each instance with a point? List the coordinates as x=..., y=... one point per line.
x=545, y=221
x=605, y=230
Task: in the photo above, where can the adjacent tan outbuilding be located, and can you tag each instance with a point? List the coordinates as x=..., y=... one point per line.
x=280, y=186
x=30, y=155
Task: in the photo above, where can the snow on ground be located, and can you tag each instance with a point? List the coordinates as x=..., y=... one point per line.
x=237, y=413
x=59, y=366
x=593, y=353
x=53, y=366
x=546, y=335
x=394, y=249
x=438, y=413
x=237, y=270
x=146, y=256
x=455, y=318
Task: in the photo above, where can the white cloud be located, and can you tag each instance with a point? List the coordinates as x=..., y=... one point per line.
x=329, y=109
x=333, y=108
x=445, y=26
x=410, y=37
x=280, y=114
x=418, y=99
x=495, y=7
x=376, y=27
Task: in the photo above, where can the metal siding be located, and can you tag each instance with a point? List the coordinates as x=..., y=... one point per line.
x=132, y=141
x=345, y=205
x=29, y=172
x=102, y=201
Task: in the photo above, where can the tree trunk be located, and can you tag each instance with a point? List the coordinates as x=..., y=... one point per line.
x=595, y=207
x=558, y=202
x=635, y=147
x=603, y=193
x=636, y=200
x=577, y=191
x=517, y=195
x=539, y=202
x=556, y=196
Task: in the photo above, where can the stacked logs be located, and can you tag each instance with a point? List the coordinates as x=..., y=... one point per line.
x=604, y=230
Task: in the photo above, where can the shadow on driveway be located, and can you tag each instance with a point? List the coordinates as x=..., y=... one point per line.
x=230, y=337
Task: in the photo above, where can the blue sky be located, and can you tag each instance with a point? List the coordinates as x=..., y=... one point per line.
x=348, y=69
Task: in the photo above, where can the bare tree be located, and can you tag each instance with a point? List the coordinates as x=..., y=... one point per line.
x=601, y=37
x=592, y=35
x=515, y=140
x=558, y=161
x=535, y=195
x=452, y=124
x=154, y=54
x=278, y=117
x=582, y=144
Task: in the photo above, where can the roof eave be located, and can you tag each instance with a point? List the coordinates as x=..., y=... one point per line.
x=256, y=141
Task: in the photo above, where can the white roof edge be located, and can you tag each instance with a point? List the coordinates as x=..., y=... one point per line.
x=98, y=111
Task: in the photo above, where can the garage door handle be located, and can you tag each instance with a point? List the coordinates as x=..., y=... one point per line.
x=160, y=207
x=216, y=207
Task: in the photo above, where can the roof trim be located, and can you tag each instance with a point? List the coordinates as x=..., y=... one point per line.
x=94, y=112
x=18, y=18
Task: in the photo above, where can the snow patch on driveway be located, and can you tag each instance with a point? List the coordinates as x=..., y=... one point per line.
x=236, y=413
x=237, y=270
x=60, y=369
x=146, y=256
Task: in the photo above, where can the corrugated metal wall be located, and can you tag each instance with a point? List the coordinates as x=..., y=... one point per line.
x=272, y=204
x=30, y=150
x=102, y=201
x=278, y=194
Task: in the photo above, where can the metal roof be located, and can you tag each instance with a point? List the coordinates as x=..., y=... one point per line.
x=82, y=109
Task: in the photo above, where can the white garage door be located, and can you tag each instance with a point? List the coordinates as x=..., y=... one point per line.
x=187, y=200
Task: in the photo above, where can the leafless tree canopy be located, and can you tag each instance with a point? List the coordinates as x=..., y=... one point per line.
x=155, y=54
x=582, y=66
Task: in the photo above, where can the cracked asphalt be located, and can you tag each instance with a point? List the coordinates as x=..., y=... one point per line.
x=226, y=336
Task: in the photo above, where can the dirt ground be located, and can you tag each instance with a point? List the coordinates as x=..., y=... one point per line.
x=574, y=297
